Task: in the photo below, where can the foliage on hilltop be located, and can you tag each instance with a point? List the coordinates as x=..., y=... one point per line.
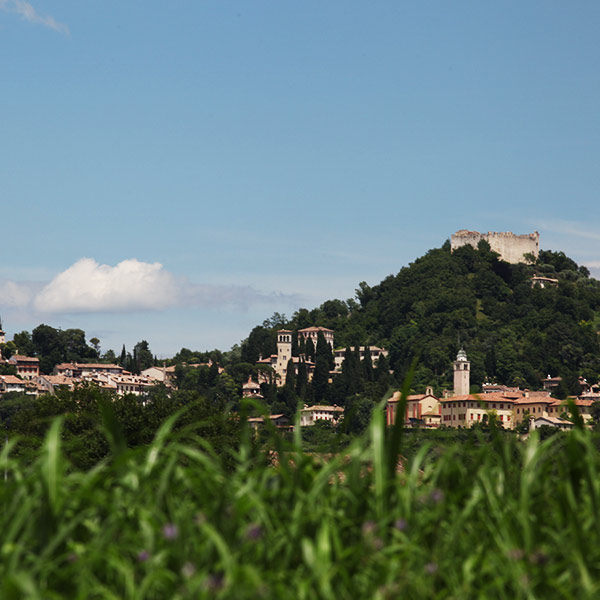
x=514, y=334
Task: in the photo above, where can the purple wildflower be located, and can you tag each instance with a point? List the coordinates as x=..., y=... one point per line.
x=369, y=528
x=436, y=496
x=401, y=524
x=431, y=568
x=254, y=532
x=214, y=582
x=170, y=531
x=143, y=556
x=538, y=558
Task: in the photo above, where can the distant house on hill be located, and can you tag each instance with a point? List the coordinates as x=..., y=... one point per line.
x=313, y=332
x=10, y=383
x=280, y=421
x=86, y=369
x=550, y=422
x=309, y=415
x=543, y=282
x=27, y=366
x=251, y=389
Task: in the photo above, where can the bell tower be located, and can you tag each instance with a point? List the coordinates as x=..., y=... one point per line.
x=462, y=374
x=284, y=352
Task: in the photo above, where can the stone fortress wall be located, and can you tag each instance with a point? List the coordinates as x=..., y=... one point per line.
x=509, y=246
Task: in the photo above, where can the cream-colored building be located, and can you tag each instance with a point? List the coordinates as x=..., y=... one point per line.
x=27, y=366
x=309, y=415
x=251, y=389
x=279, y=362
x=466, y=410
x=421, y=409
x=313, y=332
x=374, y=351
x=584, y=406
x=532, y=407
x=11, y=383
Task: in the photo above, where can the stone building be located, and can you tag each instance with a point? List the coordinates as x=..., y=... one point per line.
x=511, y=248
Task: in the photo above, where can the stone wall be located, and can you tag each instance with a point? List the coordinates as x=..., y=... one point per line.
x=509, y=246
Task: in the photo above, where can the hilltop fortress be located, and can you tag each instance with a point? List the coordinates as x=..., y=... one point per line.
x=509, y=246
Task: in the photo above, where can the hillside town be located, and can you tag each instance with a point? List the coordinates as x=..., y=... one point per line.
x=457, y=408
x=295, y=364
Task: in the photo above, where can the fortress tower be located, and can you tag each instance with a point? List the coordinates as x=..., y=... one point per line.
x=511, y=248
x=462, y=374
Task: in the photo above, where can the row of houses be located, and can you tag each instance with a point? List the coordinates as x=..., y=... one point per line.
x=509, y=406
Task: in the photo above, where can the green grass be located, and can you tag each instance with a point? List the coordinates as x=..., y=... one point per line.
x=491, y=518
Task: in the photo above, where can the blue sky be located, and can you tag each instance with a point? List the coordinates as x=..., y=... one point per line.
x=178, y=172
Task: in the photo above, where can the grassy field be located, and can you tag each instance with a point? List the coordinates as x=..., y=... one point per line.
x=489, y=518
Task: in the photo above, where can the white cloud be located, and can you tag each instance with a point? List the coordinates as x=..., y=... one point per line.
x=130, y=286
x=15, y=294
x=26, y=10
x=88, y=286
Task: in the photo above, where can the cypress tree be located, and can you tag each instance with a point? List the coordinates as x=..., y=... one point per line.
x=382, y=374
x=290, y=376
x=123, y=357
x=320, y=379
x=368, y=365
x=350, y=372
x=324, y=350
x=302, y=347
x=301, y=380
x=310, y=350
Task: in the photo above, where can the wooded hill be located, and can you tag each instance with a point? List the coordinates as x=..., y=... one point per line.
x=514, y=334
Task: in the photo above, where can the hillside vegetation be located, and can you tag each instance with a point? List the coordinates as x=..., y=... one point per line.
x=513, y=334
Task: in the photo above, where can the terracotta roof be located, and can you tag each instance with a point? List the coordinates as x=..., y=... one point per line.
x=307, y=329
x=97, y=366
x=541, y=400
x=412, y=398
x=79, y=366
x=12, y=379
x=323, y=408
x=21, y=358
x=479, y=398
